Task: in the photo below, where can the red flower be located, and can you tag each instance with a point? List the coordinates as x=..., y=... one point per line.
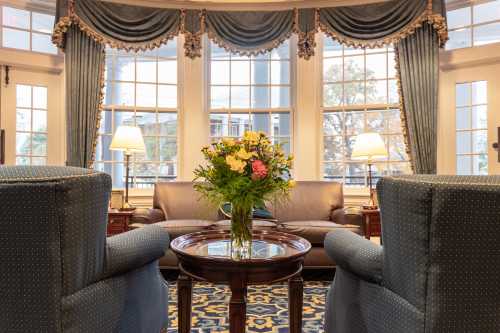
x=259, y=169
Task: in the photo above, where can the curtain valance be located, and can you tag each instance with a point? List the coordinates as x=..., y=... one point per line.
x=249, y=32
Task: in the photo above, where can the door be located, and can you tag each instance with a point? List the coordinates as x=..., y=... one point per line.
x=32, y=118
x=469, y=118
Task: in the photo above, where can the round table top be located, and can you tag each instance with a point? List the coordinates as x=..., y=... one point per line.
x=215, y=246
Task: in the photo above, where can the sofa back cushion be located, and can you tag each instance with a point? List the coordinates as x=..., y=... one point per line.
x=179, y=201
x=309, y=200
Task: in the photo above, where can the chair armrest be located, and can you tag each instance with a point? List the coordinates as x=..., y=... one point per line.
x=134, y=249
x=347, y=216
x=147, y=216
x=355, y=254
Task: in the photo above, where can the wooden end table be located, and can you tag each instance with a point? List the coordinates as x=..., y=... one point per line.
x=118, y=221
x=205, y=256
x=371, y=222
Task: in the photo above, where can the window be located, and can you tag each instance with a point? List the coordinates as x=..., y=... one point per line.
x=473, y=25
x=31, y=125
x=360, y=95
x=251, y=93
x=472, y=128
x=141, y=90
x=26, y=30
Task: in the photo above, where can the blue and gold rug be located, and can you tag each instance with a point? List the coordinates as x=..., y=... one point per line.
x=267, y=308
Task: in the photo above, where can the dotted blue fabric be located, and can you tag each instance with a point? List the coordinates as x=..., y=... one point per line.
x=440, y=267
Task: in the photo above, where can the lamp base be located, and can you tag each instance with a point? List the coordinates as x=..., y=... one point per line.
x=127, y=207
x=371, y=205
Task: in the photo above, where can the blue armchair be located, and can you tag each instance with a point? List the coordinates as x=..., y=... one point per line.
x=438, y=269
x=59, y=272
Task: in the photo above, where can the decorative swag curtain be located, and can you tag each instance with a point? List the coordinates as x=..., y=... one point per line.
x=138, y=28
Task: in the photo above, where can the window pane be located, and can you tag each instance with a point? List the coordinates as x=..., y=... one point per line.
x=16, y=39
x=354, y=122
x=21, y=160
x=39, y=121
x=123, y=118
x=240, y=72
x=331, y=48
x=464, y=142
x=479, y=93
x=486, y=12
x=354, y=93
x=280, y=97
x=376, y=66
x=480, y=141
x=23, y=96
x=218, y=52
x=168, y=50
x=332, y=70
x=23, y=120
x=332, y=94
x=333, y=123
x=38, y=161
x=168, y=149
x=17, y=18
x=464, y=165
x=282, y=52
x=463, y=94
x=124, y=94
x=260, y=122
x=240, y=122
x=260, y=97
x=167, y=96
x=40, y=97
x=487, y=34
x=146, y=95
x=459, y=39
x=240, y=97
x=334, y=171
x=260, y=72
x=354, y=68
x=23, y=143
x=333, y=148
x=280, y=72
x=146, y=70
x=39, y=144
x=42, y=43
x=281, y=124
x=463, y=116
x=124, y=69
x=219, y=124
x=147, y=122
x=167, y=71
x=376, y=92
x=480, y=116
x=459, y=18
x=43, y=22
x=168, y=123
x=480, y=164
x=219, y=72
x=219, y=97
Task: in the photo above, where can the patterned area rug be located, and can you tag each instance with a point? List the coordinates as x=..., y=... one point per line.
x=267, y=308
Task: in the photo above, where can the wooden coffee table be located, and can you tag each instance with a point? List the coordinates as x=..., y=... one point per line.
x=205, y=256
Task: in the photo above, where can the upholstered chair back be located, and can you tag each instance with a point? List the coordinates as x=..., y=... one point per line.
x=309, y=201
x=441, y=247
x=179, y=201
x=52, y=240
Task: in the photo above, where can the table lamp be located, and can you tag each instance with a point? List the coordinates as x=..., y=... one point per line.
x=369, y=146
x=129, y=140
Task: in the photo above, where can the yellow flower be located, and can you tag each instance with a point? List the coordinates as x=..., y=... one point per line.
x=251, y=137
x=235, y=164
x=228, y=142
x=292, y=183
x=242, y=154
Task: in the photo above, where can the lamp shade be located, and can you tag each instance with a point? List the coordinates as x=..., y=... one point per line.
x=369, y=146
x=128, y=139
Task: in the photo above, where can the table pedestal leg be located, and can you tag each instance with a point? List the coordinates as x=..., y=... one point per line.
x=184, y=294
x=238, y=307
x=295, y=302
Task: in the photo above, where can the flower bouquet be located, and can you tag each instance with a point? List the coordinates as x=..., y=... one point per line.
x=246, y=173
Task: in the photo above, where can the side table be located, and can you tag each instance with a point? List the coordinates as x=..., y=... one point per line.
x=118, y=221
x=206, y=256
x=371, y=222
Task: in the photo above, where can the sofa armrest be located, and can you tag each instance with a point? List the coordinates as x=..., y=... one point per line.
x=355, y=254
x=147, y=216
x=134, y=249
x=347, y=216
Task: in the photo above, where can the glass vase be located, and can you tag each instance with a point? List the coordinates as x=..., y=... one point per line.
x=241, y=231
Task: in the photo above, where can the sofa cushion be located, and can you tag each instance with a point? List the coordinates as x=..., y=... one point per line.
x=176, y=228
x=314, y=231
x=257, y=224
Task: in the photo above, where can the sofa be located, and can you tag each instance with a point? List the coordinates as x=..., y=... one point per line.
x=59, y=271
x=315, y=208
x=438, y=270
